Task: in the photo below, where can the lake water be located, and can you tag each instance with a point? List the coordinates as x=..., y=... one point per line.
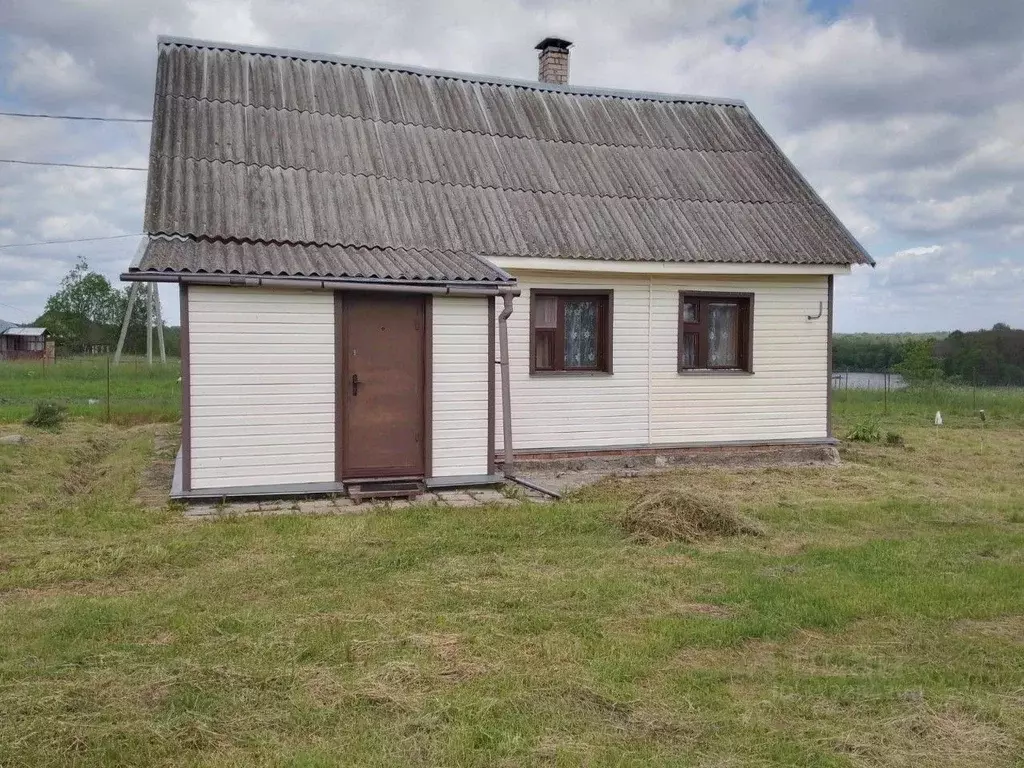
x=855, y=380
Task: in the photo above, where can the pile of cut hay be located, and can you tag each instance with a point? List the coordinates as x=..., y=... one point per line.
x=675, y=514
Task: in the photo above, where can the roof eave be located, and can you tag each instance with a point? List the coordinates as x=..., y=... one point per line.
x=484, y=287
x=860, y=249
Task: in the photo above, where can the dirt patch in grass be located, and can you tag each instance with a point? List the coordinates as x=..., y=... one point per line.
x=703, y=609
x=919, y=736
x=155, y=482
x=1008, y=628
x=397, y=686
x=66, y=589
x=448, y=650
x=87, y=462
x=634, y=718
x=676, y=514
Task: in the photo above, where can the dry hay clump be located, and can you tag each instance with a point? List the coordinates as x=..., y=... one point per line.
x=676, y=514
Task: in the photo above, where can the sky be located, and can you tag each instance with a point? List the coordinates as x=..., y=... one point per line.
x=906, y=115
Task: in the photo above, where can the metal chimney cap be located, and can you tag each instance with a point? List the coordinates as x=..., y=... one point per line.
x=553, y=42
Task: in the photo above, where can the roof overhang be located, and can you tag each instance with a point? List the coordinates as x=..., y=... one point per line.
x=164, y=258
x=437, y=288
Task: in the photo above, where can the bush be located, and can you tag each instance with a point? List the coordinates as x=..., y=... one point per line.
x=681, y=515
x=866, y=431
x=893, y=438
x=47, y=415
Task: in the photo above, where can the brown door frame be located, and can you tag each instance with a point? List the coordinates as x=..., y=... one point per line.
x=341, y=376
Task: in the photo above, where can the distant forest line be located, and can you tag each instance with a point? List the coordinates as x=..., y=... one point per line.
x=992, y=357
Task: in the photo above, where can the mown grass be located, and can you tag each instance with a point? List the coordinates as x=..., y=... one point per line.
x=916, y=406
x=879, y=620
x=139, y=393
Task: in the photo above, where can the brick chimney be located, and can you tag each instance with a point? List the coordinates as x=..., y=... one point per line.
x=554, y=60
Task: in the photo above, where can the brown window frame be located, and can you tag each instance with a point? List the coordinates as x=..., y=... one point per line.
x=604, y=330
x=745, y=344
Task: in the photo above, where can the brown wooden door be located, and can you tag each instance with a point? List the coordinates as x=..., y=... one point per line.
x=382, y=383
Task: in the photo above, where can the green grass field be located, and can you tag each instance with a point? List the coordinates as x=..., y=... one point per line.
x=959, y=406
x=139, y=393
x=878, y=622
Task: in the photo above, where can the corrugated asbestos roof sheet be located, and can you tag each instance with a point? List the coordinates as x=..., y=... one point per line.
x=174, y=254
x=392, y=169
x=24, y=331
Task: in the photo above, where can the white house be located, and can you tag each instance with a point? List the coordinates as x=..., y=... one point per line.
x=358, y=242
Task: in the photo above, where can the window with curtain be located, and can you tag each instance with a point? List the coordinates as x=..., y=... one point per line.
x=715, y=332
x=571, y=332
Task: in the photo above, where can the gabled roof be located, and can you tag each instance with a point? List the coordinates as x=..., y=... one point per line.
x=346, y=157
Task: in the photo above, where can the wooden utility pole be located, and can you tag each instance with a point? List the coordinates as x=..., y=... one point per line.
x=149, y=324
x=154, y=321
x=133, y=294
x=159, y=319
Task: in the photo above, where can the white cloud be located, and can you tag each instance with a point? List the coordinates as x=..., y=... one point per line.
x=49, y=72
x=968, y=295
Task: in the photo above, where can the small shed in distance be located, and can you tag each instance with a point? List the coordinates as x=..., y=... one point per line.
x=24, y=343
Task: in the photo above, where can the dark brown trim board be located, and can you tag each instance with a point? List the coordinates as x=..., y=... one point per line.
x=828, y=396
x=428, y=386
x=339, y=378
x=746, y=330
x=186, y=393
x=606, y=323
x=491, y=364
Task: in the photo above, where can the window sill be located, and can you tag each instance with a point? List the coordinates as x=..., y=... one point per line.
x=570, y=373
x=714, y=372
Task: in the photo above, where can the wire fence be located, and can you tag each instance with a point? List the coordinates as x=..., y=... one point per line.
x=887, y=393
x=133, y=391
x=93, y=387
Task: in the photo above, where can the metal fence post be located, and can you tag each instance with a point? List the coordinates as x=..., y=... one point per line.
x=108, y=389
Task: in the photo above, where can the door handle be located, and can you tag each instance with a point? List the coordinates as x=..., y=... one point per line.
x=355, y=384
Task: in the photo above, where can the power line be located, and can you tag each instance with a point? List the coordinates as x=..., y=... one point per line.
x=11, y=306
x=75, y=165
x=74, y=240
x=78, y=117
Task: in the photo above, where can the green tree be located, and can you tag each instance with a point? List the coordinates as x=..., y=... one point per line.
x=919, y=365
x=87, y=311
x=986, y=357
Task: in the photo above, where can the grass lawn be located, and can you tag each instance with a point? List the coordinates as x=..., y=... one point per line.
x=959, y=406
x=879, y=622
x=138, y=392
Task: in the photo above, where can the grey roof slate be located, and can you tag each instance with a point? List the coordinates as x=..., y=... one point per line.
x=188, y=255
x=272, y=147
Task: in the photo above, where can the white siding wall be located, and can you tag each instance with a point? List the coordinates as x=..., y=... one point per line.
x=580, y=411
x=785, y=399
x=460, y=361
x=262, y=386
x=645, y=401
